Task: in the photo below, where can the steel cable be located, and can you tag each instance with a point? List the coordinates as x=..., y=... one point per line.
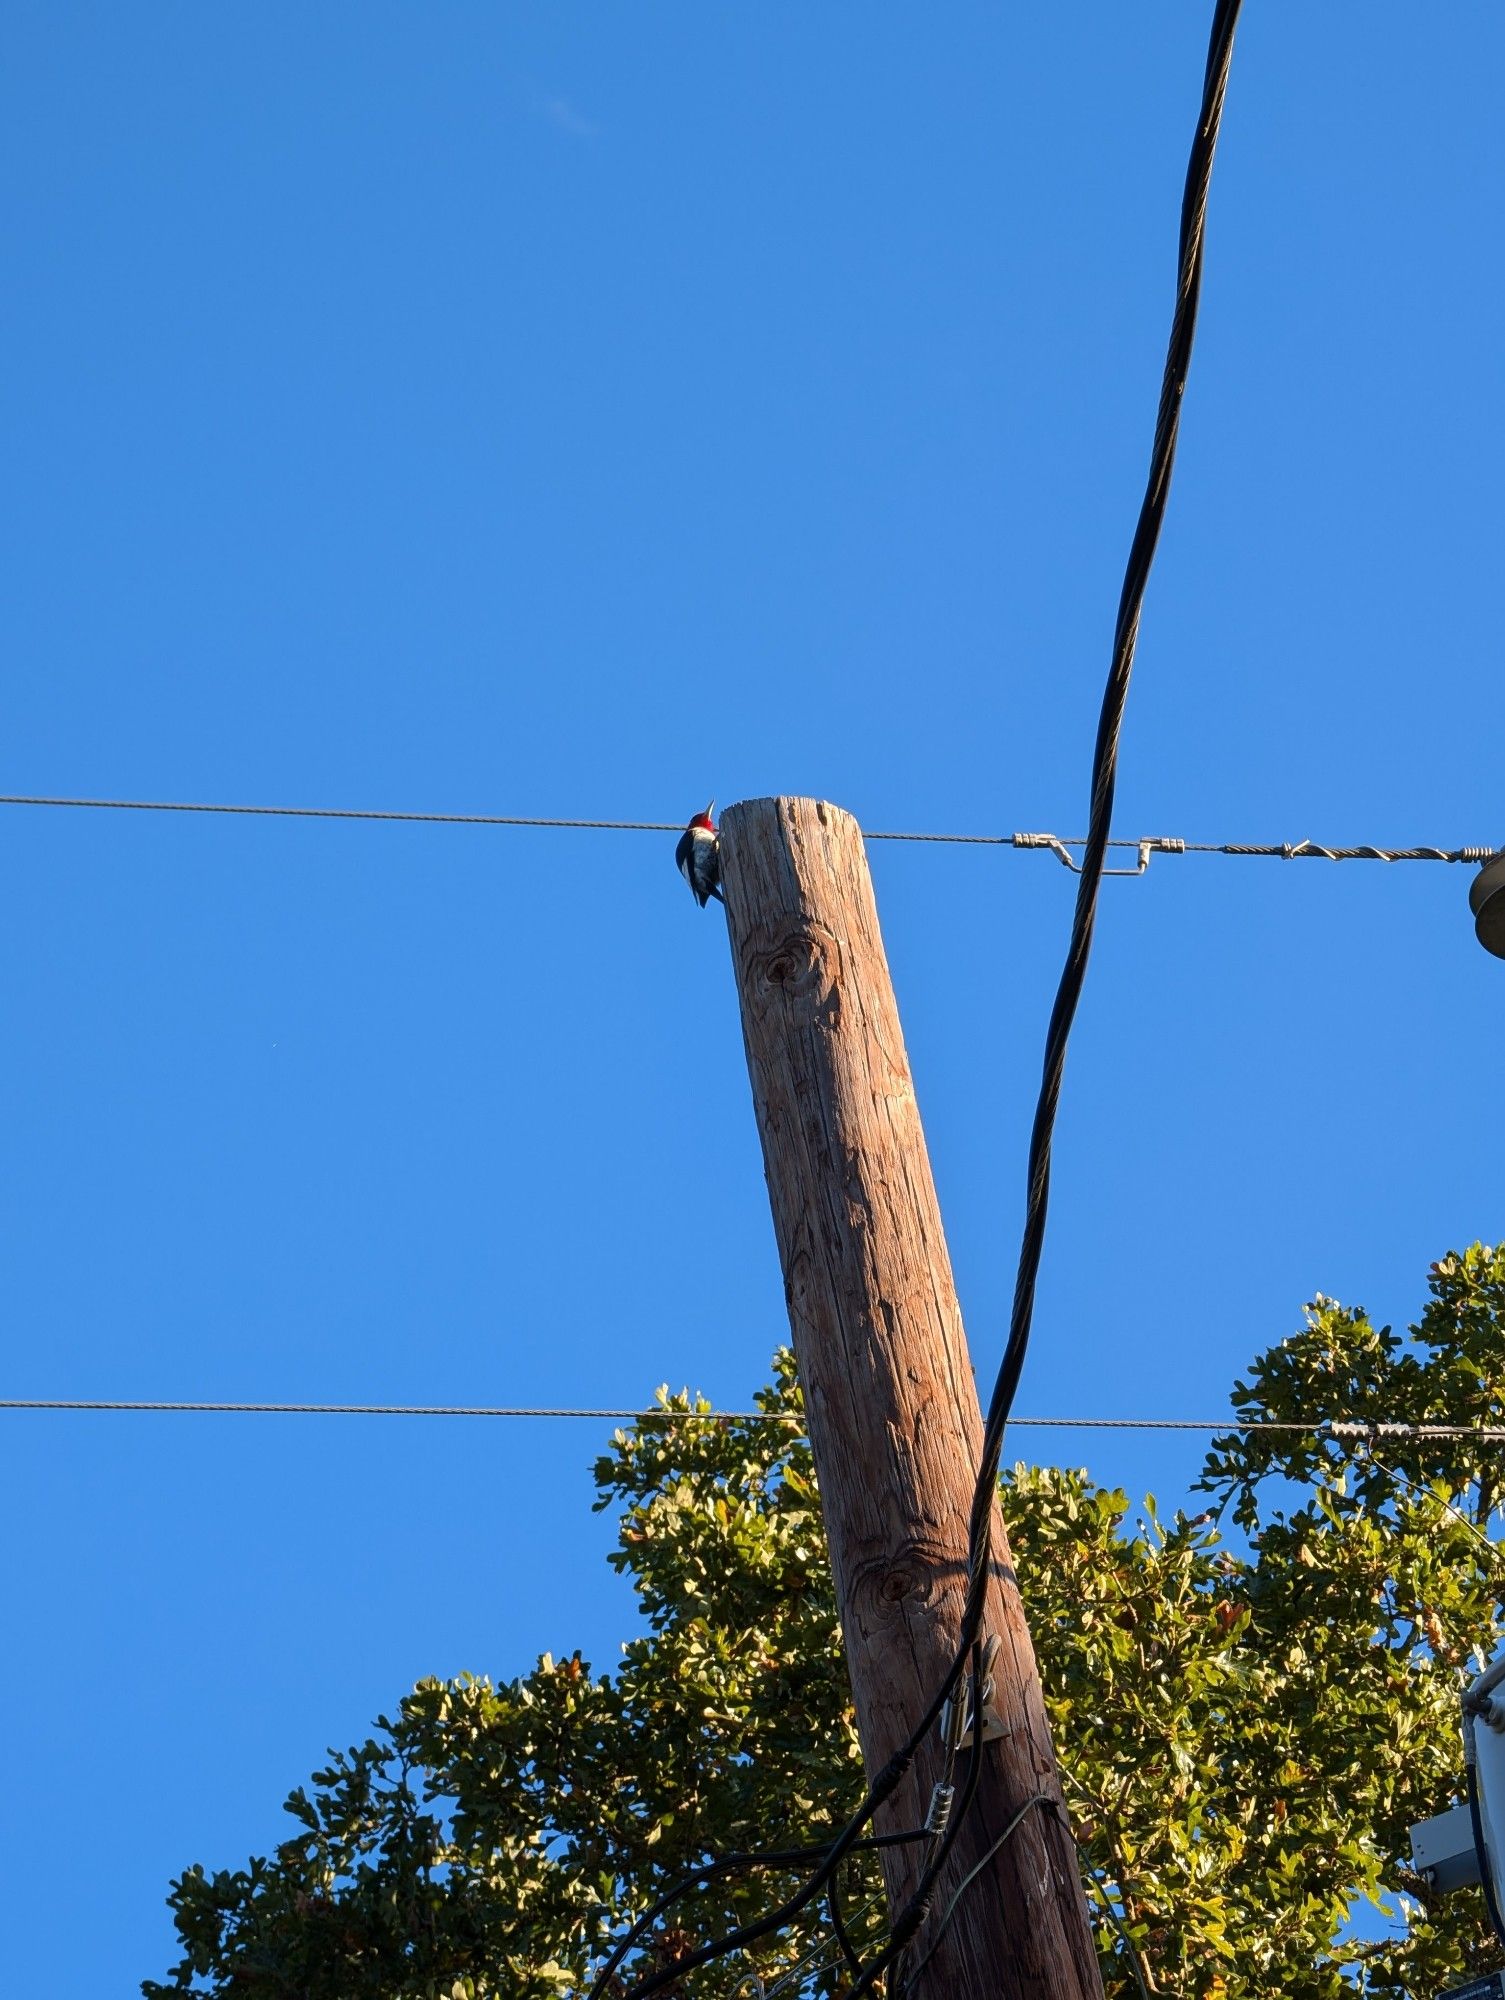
x=1056, y=843
x=1343, y=1430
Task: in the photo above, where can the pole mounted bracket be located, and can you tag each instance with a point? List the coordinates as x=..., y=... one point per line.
x=958, y=1725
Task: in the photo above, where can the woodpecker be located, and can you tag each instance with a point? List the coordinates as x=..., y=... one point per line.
x=698, y=857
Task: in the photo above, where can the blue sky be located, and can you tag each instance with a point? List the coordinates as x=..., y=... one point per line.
x=557, y=411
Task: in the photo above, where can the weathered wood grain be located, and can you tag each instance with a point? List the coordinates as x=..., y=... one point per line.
x=893, y=1409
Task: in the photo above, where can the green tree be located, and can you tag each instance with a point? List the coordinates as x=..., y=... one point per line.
x=1252, y=1706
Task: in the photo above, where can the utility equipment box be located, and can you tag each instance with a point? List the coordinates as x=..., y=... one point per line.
x=1443, y=1850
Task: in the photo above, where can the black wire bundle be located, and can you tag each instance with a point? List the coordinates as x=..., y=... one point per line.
x=731, y=1864
x=1084, y=917
x=1063, y=1013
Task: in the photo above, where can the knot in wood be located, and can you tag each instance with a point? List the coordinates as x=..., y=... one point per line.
x=904, y=1580
x=901, y=1582
x=797, y=963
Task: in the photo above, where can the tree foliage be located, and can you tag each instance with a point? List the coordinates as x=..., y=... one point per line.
x=1252, y=1706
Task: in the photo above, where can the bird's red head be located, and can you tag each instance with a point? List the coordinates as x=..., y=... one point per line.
x=704, y=819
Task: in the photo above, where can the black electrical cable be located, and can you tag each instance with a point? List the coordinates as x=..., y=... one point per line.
x=776, y=1920
x=847, y=1841
x=1104, y=779
x=1039, y=1799
x=1063, y=1012
x=917, y=1909
x=1074, y=972
x=833, y=1904
x=730, y=1864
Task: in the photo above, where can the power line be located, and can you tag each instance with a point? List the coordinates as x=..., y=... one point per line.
x=1041, y=1799
x=1309, y=850
x=654, y=1415
x=1340, y=1430
x=1079, y=947
x=1104, y=780
x=1058, y=844
x=345, y=812
x=1287, y=850
x=730, y=1864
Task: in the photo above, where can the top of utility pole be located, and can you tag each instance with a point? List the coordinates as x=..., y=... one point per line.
x=892, y=1407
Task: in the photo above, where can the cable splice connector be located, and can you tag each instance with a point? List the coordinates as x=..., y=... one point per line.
x=1057, y=847
x=1166, y=844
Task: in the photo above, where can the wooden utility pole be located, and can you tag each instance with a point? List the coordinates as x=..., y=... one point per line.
x=893, y=1414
